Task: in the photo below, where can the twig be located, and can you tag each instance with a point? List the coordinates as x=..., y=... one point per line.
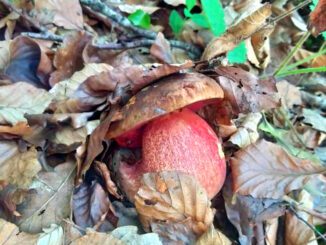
x=115, y=16
x=44, y=36
x=298, y=206
x=308, y=224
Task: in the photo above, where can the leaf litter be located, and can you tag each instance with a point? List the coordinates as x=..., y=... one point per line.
x=68, y=68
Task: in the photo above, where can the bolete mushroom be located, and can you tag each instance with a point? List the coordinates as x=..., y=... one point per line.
x=161, y=119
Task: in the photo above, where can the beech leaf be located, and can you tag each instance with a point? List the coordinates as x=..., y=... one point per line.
x=19, y=99
x=266, y=170
x=174, y=197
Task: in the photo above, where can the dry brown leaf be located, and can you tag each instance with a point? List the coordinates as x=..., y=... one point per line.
x=48, y=200
x=68, y=58
x=271, y=226
x=266, y=170
x=67, y=14
x=235, y=34
x=120, y=236
x=18, y=168
x=161, y=49
x=246, y=92
x=91, y=205
x=19, y=99
x=19, y=129
x=290, y=94
x=213, y=237
x=317, y=18
x=174, y=197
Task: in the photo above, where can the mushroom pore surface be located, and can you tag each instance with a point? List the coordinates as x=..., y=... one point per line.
x=180, y=141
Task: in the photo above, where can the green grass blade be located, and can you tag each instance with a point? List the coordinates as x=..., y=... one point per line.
x=302, y=71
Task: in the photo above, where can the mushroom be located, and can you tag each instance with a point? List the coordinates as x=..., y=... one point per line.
x=161, y=119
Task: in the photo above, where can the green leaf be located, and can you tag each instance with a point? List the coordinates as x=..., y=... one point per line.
x=176, y=22
x=190, y=4
x=238, y=54
x=215, y=16
x=200, y=20
x=140, y=18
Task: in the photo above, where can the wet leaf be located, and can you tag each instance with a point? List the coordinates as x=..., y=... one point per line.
x=48, y=201
x=213, y=236
x=18, y=168
x=59, y=12
x=90, y=207
x=173, y=197
x=246, y=92
x=119, y=236
x=19, y=99
x=265, y=170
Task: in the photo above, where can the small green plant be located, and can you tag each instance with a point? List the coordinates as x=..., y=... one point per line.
x=212, y=17
x=140, y=18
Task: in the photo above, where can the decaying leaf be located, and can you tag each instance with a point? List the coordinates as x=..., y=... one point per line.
x=266, y=170
x=246, y=133
x=119, y=236
x=59, y=12
x=174, y=197
x=16, y=167
x=237, y=33
x=246, y=92
x=91, y=206
x=48, y=201
x=19, y=99
x=213, y=236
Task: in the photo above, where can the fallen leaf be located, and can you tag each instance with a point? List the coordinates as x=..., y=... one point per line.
x=90, y=207
x=175, y=2
x=290, y=94
x=213, y=236
x=319, y=61
x=59, y=12
x=119, y=236
x=314, y=119
x=25, y=56
x=237, y=33
x=48, y=201
x=68, y=58
x=174, y=197
x=4, y=54
x=246, y=92
x=19, y=129
x=161, y=49
x=246, y=133
x=271, y=226
x=130, y=8
x=19, y=99
x=247, y=214
x=265, y=170
x=317, y=18
x=18, y=168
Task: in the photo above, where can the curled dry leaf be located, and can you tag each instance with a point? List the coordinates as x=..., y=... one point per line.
x=246, y=92
x=266, y=170
x=68, y=58
x=48, y=200
x=173, y=197
x=19, y=99
x=91, y=206
x=16, y=167
x=235, y=34
x=25, y=59
x=247, y=130
x=119, y=236
x=317, y=18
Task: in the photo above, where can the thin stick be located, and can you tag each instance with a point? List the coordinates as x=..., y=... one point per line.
x=290, y=55
x=44, y=36
x=98, y=6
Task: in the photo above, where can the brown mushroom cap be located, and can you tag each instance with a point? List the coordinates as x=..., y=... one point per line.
x=175, y=92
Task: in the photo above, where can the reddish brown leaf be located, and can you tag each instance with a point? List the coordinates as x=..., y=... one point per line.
x=266, y=170
x=68, y=58
x=317, y=18
x=246, y=92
